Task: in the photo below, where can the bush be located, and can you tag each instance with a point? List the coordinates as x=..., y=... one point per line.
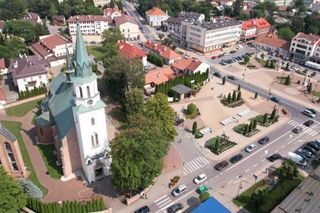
x=36, y=91
x=191, y=109
x=30, y=189
x=287, y=81
x=204, y=196
x=155, y=59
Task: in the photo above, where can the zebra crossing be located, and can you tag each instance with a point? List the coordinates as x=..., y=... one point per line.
x=305, y=129
x=164, y=202
x=194, y=165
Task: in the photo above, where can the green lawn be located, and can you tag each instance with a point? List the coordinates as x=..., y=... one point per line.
x=50, y=160
x=22, y=109
x=14, y=128
x=315, y=93
x=275, y=196
x=96, y=51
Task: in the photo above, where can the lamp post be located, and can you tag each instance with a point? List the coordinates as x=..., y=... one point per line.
x=244, y=73
x=270, y=88
x=240, y=185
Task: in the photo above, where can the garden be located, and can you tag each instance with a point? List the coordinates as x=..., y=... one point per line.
x=191, y=112
x=219, y=144
x=266, y=119
x=247, y=129
x=285, y=80
x=233, y=100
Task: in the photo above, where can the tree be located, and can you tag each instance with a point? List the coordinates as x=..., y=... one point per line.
x=297, y=24
x=229, y=98
x=262, y=56
x=237, y=8
x=109, y=44
x=204, y=196
x=194, y=127
x=239, y=96
x=246, y=59
x=288, y=80
x=191, y=108
x=134, y=101
x=288, y=170
x=286, y=33
x=31, y=189
x=239, y=87
x=21, y=28
x=254, y=124
x=265, y=118
x=12, y=198
x=246, y=129
x=259, y=197
x=223, y=80
x=12, y=9
x=217, y=144
x=234, y=96
x=299, y=4
x=250, y=127
x=309, y=88
x=255, y=95
x=287, y=66
x=273, y=114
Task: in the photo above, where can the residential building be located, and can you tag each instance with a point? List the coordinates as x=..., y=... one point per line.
x=2, y=24
x=254, y=27
x=52, y=48
x=210, y=36
x=29, y=72
x=3, y=69
x=101, y=3
x=132, y=52
x=10, y=156
x=59, y=20
x=89, y=24
x=112, y=12
x=272, y=44
x=315, y=7
x=156, y=17
x=128, y=27
x=168, y=55
x=33, y=18
x=303, y=47
x=187, y=66
x=157, y=76
x=74, y=119
x=279, y=2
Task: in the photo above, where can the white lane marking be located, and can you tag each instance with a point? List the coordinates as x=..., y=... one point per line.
x=202, y=159
x=161, y=198
x=194, y=165
x=197, y=163
x=289, y=142
x=167, y=206
x=247, y=170
x=163, y=201
x=189, y=167
x=266, y=152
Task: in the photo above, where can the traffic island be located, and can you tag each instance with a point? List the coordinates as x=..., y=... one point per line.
x=219, y=144
x=233, y=100
x=247, y=130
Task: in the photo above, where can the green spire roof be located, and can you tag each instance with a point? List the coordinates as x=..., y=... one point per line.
x=82, y=61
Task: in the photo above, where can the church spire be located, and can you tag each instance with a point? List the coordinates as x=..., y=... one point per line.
x=82, y=61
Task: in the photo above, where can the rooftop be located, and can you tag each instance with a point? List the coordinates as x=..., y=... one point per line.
x=130, y=51
x=211, y=205
x=6, y=133
x=90, y=18
x=124, y=19
x=25, y=66
x=274, y=41
x=181, y=89
x=186, y=64
x=159, y=76
x=51, y=41
x=163, y=51
x=156, y=12
x=312, y=38
x=59, y=17
x=109, y=10
x=255, y=23
x=31, y=17
x=218, y=23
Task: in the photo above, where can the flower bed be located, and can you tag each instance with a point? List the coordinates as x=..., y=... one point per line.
x=224, y=144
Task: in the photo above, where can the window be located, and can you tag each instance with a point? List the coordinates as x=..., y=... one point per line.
x=40, y=76
x=80, y=89
x=88, y=91
x=92, y=121
x=94, y=139
x=97, y=139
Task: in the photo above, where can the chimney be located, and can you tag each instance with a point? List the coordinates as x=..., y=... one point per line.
x=158, y=75
x=15, y=65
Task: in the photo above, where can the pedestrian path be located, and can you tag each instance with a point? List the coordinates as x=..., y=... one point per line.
x=194, y=165
x=305, y=129
x=164, y=202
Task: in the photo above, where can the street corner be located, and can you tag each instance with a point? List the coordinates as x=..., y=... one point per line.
x=172, y=162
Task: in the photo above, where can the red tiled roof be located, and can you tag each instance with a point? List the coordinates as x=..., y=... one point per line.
x=123, y=19
x=258, y=23
x=274, y=41
x=159, y=76
x=88, y=18
x=310, y=37
x=53, y=40
x=130, y=51
x=156, y=12
x=40, y=49
x=182, y=64
x=168, y=53
x=109, y=10
x=31, y=17
x=2, y=64
x=194, y=65
x=2, y=95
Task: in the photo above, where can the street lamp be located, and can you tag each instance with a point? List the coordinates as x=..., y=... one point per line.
x=270, y=88
x=240, y=185
x=244, y=73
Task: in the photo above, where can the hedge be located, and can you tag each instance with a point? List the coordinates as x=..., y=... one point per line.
x=224, y=144
x=36, y=91
x=155, y=59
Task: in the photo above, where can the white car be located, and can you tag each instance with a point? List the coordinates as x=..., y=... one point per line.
x=250, y=148
x=200, y=178
x=179, y=190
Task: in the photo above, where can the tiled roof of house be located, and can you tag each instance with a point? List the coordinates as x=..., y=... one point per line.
x=89, y=18
x=28, y=66
x=274, y=41
x=182, y=64
x=59, y=18
x=54, y=40
x=124, y=19
x=169, y=54
x=109, y=10
x=159, y=76
x=2, y=64
x=156, y=12
x=255, y=23
x=130, y=51
x=194, y=65
x=31, y=17
x=40, y=49
x=310, y=37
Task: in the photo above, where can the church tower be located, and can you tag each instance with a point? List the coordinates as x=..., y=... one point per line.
x=89, y=114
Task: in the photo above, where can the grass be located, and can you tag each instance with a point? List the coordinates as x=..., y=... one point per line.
x=224, y=145
x=240, y=128
x=192, y=115
x=50, y=159
x=315, y=93
x=22, y=109
x=275, y=195
x=96, y=51
x=262, y=62
x=14, y=128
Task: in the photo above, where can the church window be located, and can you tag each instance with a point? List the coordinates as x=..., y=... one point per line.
x=97, y=139
x=11, y=158
x=80, y=89
x=88, y=91
x=92, y=121
x=94, y=139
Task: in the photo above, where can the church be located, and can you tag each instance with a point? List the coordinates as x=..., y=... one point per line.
x=73, y=119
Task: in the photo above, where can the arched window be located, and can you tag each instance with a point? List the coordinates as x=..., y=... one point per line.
x=80, y=89
x=92, y=121
x=94, y=139
x=97, y=139
x=88, y=91
x=10, y=156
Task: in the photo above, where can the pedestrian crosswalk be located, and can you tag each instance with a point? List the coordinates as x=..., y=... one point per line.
x=163, y=202
x=194, y=165
x=305, y=129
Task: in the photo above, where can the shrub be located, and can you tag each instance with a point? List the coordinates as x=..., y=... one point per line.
x=31, y=189
x=194, y=127
x=239, y=96
x=223, y=80
x=234, y=96
x=204, y=196
x=288, y=80
x=191, y=108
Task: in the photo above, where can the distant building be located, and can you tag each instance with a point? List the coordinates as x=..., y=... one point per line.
x=59, y=20
x=254, y=27
x=166, y=53
x=10, y=156
x=128, y=27
x=279, y=2
x=2, y=24
x=52, y=48
x=156, y=17
x=112, y=12
x=273, y=44
x=33, y=18
x=29, y=72
x=3, y=69
x=132, y=52
x=101, y=3
x=187, y=66
x=315, y=7
x=2, y=98
x=157, y=76
x=305, y=47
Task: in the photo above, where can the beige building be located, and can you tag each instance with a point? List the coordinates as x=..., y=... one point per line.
x=304, y=47
x=156, y=17
x=128, y=27
x=10, y=155
x=100, y=3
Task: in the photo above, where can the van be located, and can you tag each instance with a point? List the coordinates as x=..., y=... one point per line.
x=308, y=113
x=298, y=159
x=179, y=190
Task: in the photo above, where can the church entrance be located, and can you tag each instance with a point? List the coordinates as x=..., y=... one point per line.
x=98, y=170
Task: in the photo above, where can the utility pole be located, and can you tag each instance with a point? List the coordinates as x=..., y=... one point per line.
x=240, y=185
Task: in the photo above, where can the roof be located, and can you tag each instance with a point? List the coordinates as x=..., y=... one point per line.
x=130, y=51
x=274, y=42
x=168, y=53
x=2, y=64
x=156, y=12
x=312, y=38
x=31, y=17
x=86, y=18
x=6, y=133
x=2, y=95
x=255, y=23
x=40, y=49
x=159, y=76
x=109, y=10
x=51, y=41
x=211, y=205
x=2, y=24
x=218, y=23
x=59, y=17
x=304, y=198
x=186, y=64
x=124, y=19
x=181, y=89
x=190, y=15
x=30, y=65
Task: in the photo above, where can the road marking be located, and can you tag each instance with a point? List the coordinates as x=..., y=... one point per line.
x=160, y=198
x=247, y=170
x=164, y=201
x=167, y=206
x=266, y=152
x=289, y=142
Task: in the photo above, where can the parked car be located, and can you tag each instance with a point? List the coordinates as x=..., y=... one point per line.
x=175, y=208
x=233, y=51
x=236, y=158
x=220, y=55
x=179, y=190
x=213, y=57
x=308, y=113
x=314, y=146
x=200, y=178
x=221, y=165
x=232, y=77
x=317, y=142
x=298, y=159
x=304, y=153
x=223, y=63
x=275, y=99
x=274, y=157
x=308, y=123
x=297, y=130
x=313, y=111
x=250, y=148
x=225, y=53
x=144, y=209
x=310, y=149
x=263, y=140
x=217, y=74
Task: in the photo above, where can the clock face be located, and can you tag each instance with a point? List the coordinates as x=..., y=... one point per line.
x=89, y=102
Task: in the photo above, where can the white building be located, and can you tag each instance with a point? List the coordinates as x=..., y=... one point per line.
x=52, y=48
x=112, y=12
x=128, y=27
x=89, y=24
x=304, y=47
x=29, y=72
x=156, y=17
x=209, y=36
x=279, y=2
x=100, y=3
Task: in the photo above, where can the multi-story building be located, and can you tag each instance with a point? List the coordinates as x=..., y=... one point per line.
x=112, y=12
x=100, y=3
x=254, y=27
x=89, y=24
x=156, y=17
x=278, y=2
x=272, y=44
x=210, y=36
x=304, y=47
x=128, y=27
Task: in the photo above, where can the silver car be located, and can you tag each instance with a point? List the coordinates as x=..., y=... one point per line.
x=179, y=190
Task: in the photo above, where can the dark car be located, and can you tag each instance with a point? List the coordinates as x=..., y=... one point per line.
x=217, y=74
x=314, y=146
x=175, y=207
x=236, y=158
x=263, y=140
x=233, y=51
x=275, y=99
x=232, y=77
x=312, y=110
x=274, y=157
x=144, y=209
x=221, y=165
x=308, y=123
x=297, y=130
x=220, y=55
x=310, y=149
x=304, y=153
x=179, y=121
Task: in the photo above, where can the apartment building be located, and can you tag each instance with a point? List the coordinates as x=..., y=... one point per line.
x=254, y=27
x=89, y=24
x=100, y=3
x=305, y=47
x=156, y=17
x=210, y=36
x=128, y=27
x=278, y=2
